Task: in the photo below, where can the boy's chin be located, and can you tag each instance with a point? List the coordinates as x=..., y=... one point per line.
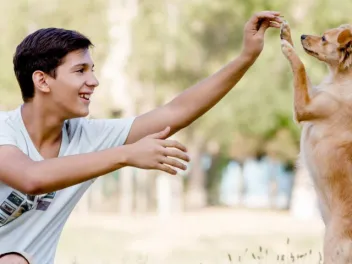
x=80, y=113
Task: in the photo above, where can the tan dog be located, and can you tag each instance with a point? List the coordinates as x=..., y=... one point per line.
x=325, y=113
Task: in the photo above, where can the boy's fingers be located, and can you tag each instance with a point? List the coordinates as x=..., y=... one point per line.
x=163, y=167
x=275, y=24
x=264, y=15
x=173, y=144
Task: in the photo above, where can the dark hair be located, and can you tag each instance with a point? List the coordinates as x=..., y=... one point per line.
x=44, y=50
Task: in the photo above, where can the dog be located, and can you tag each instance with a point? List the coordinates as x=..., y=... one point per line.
x=325, y=115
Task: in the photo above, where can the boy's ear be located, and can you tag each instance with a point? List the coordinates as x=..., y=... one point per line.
x=39, y=80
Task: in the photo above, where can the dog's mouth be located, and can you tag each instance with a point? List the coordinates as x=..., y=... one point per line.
x=311, y=52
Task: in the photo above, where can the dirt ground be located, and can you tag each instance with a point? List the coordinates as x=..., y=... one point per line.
x=207, y=236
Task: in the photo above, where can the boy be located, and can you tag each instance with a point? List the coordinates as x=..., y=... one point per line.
x=50, y=154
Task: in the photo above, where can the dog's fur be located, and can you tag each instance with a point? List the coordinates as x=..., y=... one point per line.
x=325, y=113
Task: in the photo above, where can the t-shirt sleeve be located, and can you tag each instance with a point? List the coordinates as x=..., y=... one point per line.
x=105, y=133
x=7, y=134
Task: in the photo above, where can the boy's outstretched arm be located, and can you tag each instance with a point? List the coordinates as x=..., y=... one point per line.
x=197, y=100
x=20, y=172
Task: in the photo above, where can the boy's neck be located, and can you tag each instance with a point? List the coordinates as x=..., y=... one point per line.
x=43, y=126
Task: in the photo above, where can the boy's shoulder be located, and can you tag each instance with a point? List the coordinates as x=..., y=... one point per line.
x=4, y=115
x=9, y=117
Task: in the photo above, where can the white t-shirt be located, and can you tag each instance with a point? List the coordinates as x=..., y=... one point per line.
x=33, y=224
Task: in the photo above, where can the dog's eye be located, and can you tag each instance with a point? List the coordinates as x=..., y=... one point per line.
x=323, y=38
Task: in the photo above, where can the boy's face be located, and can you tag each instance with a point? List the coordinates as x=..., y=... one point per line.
x=74, y=84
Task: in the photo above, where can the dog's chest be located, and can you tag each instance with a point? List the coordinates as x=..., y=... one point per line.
x=324, y=145
x=311, y=137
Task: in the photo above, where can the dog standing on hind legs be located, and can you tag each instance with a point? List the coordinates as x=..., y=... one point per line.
x=325, y=114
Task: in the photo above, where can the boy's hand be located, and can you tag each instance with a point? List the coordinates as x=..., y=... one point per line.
x=156, y=153
x=254, y=31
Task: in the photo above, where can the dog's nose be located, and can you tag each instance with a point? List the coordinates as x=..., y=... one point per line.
x=303, y=37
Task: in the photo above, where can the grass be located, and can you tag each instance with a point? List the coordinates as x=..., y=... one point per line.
x=261, y=256
x=211, y=237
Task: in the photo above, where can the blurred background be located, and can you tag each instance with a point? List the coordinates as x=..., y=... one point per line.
x=242, y=199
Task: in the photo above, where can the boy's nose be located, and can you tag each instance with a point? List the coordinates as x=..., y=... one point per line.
x=93, y=82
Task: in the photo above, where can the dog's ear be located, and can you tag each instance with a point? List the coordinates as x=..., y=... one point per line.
x=345, y=41
x=344, y=37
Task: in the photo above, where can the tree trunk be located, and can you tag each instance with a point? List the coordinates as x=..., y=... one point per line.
x=141, y=193
x=214, y=179
x=196, y=194
x=126, y=190
x=121, y=14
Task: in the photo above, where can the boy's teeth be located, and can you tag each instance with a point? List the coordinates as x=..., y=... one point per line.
x=85, y=96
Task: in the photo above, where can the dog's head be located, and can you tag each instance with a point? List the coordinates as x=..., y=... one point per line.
x=333, y=47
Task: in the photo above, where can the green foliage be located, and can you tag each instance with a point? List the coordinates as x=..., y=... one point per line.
x=11, y=30
x=177, y=43
x=203, y=36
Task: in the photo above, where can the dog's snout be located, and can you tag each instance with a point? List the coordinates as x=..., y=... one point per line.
x=303, y=37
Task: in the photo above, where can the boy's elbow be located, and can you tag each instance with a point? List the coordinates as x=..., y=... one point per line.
x=31, y=189
x=32, y=186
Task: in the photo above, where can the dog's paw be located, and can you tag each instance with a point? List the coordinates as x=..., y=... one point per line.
x=287, y=48
x=285, y=32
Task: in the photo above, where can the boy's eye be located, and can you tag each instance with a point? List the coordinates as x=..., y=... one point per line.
x=81, y=70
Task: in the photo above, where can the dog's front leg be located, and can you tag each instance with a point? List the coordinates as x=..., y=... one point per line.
x=301, y=83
